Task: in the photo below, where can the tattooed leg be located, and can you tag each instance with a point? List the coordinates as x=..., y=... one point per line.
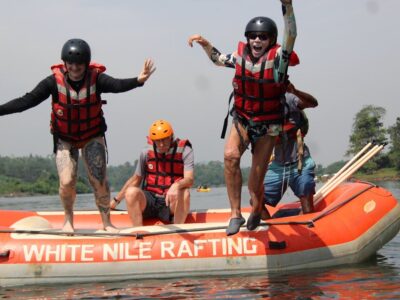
x=67, y=163
x=94, y=157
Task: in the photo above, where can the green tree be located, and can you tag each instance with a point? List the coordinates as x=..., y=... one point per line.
x=394, y=153
x=118, y=175
x=319, y=170
x=334, y=167
x=211, y=173
x=368, y=126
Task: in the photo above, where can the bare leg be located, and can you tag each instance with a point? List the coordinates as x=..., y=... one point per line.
x=307, y=204
x=66, y=161
x=94, y=157
x=135, y=203
x=233, y=175
x=265, y=215
x=181, y=207
x=259, y=165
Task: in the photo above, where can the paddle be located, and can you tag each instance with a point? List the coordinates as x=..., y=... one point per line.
x=138, y=235
x=347, y=173
x=344, y=168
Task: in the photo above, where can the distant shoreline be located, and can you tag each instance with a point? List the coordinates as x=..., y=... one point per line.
x=363, y=177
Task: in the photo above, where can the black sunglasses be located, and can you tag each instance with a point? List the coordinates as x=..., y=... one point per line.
x=261, y=36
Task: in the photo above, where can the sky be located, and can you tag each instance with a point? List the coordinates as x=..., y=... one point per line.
x=347, y=49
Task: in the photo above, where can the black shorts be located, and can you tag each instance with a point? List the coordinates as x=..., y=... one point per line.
x=156, y=208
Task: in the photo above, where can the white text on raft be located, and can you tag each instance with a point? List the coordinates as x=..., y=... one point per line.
x=140, y=250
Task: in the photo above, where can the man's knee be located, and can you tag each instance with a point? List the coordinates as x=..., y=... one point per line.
x=231, y=154
x=133, y=195
x=94, y=155
x=231, y=158
x=67, y=183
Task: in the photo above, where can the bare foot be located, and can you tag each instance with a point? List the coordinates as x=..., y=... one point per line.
x=68, y=228
x=111, y=229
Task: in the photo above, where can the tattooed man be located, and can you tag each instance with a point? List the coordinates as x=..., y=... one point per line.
x=77, y=121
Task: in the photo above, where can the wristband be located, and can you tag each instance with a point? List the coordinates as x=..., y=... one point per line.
x=116, y=200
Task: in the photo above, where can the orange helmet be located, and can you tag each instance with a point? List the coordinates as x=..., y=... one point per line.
x=160, y=129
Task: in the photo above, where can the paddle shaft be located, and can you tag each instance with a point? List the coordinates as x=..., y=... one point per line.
x=137, y=235
x=345, y=175
x=338, y=173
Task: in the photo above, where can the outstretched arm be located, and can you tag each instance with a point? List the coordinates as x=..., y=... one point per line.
x=40, y=93
x=108, y=84
x=213, y=54
x=148, y=69
x=289, y=37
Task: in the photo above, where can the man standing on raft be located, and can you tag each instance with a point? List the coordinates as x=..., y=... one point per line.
x=77, y=121
x=259, y=92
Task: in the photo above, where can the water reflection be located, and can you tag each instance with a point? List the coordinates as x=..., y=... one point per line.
x=371, y=280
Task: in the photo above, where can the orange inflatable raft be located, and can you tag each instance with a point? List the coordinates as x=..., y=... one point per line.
x=350, y=224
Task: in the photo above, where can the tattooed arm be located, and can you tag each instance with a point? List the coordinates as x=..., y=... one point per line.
x=289, y=37
x=219, y=59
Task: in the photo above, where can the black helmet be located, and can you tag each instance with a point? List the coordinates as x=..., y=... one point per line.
x=262, y=24
x=76, y=51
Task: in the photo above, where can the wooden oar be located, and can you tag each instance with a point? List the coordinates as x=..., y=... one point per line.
x=338, y=173
x=62, y=233
x=344, y=169
x=350, y=171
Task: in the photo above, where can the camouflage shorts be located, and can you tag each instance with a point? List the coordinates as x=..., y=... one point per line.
x=257, y=130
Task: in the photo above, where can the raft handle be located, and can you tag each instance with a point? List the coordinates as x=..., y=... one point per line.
x=277, y=245
x=5, y=254
x=311, y=224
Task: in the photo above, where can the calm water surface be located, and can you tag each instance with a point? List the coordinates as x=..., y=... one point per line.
x=378, y=278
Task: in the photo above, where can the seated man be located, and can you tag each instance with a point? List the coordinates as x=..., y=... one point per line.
x=291, y=163
x=160, y=187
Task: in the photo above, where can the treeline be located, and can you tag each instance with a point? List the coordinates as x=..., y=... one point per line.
x=34, y=175
x=38, y=175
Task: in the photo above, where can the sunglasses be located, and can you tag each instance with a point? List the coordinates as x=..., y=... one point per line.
x=260, y=36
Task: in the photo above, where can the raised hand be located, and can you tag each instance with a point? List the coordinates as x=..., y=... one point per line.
x=148, y=69
x=198, y=39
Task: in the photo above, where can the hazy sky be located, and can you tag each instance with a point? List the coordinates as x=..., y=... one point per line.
x=348, y=51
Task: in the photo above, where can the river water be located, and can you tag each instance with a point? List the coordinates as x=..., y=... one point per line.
x=378, y=278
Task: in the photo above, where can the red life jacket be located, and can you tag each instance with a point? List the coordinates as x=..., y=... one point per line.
x=257, y=95
x=77, y=117
x=162, y=170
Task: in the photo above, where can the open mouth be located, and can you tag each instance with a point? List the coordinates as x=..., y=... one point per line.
x=257, y=51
